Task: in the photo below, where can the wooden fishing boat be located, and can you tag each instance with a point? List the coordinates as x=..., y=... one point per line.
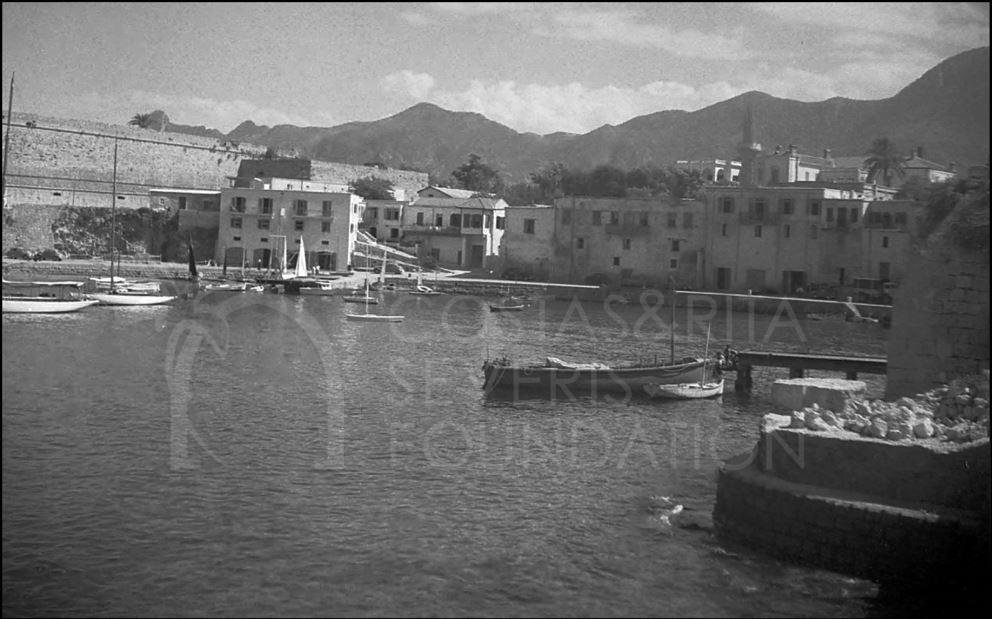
x=558, y=376
x=44, y=297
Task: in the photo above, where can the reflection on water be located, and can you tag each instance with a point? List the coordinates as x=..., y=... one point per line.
x=239, y=454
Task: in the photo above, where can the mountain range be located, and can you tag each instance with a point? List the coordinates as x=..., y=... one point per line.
x=945, y=112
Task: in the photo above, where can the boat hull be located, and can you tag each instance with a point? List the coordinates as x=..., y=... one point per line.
x=132, y=299
x=506, y=308
x=555, y=380
x=685, y=391
x=27, y=306
x=374, y=317
x=370, y=300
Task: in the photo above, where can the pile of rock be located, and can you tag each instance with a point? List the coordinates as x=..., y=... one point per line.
x=956, y=412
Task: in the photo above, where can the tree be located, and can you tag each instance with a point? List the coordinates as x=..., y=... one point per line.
x=372, y=188
x=143, y=121
x=883, y=157
x=548, y=180
x=270, y=153
x=477, y=176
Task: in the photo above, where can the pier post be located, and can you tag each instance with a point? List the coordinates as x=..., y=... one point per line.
x=743, y=381
x=797, y=372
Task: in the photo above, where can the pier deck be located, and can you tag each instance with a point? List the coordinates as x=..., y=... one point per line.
x=798, y=363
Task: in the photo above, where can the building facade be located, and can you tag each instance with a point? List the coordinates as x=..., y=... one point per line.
x=455, y=232
x=258, y=223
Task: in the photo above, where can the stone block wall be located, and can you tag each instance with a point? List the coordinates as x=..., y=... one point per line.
x=940, y=321
x=955, y=475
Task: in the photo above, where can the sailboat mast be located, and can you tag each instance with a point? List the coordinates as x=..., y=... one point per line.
x=113, y=217
x=706, y=350
x=6, y=140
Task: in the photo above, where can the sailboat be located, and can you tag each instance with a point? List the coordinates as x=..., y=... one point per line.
x=689, y=391
x=367, y=299
x=124, y=295
x=423, y=290
x=372, y=317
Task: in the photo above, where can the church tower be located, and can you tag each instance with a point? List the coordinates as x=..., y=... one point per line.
x=748, y=151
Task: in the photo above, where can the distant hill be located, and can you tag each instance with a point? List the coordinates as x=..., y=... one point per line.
x=946, y=111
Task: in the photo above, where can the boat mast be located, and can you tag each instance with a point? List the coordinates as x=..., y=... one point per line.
x=113, y=218
x=672, y=337
x=6, y=141
x=706, y=351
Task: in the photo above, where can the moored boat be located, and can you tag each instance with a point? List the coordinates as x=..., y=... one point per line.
x=506, y=308
x=44, y=297
x=130, y=298
x=557, y=376
x=685, y=391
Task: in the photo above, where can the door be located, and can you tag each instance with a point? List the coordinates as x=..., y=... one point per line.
x=478, y=251
x=327, y=261
x=261, y=258
x=722, y=278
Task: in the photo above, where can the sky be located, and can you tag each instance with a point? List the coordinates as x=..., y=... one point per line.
x=539, y=68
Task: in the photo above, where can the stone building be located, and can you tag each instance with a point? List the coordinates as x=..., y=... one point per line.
x=259, y=222
x=455, y=232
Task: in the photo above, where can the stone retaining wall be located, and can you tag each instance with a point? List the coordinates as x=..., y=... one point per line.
x=951, y=474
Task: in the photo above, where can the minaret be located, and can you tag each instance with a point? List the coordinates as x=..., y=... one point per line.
x=748, y=151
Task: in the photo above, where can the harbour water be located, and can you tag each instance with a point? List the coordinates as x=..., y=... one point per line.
x=258, y=454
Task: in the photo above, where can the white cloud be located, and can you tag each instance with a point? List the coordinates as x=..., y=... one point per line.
x=417, y=19
x=406, y=82
x=628, y=28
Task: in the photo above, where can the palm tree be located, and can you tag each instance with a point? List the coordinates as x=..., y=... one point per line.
x=882, y=158
x=141, y=120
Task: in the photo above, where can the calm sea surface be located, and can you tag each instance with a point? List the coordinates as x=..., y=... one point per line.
x=257, y=454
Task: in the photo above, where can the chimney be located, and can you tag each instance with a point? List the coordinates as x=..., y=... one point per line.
x=827, y=155
x=919, y=152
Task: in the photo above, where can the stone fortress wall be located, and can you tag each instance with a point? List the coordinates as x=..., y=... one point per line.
x=940, y=321
x=57, y=163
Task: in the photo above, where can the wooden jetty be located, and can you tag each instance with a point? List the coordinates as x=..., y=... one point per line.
x=798, y=363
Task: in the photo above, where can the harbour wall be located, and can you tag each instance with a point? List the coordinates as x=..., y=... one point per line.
x=850, y=505
x=940, y=327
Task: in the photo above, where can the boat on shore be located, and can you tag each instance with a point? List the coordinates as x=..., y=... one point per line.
x=555, y=375
x=44, y=297
x=507, y=308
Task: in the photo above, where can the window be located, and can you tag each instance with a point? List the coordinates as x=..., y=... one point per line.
x=901, y=219
x=626, y=244
x=566, y=217
x=580, y=243
x=489, y=220
x=439, y=221
x=885, y=241
x=300, y=206
x=723, y=230
x=420, y=219
x=394, y=233
x=687, y=220
x=326, y=209
x=830, y=213
x=757, y=231
x=265, y=206
x=529, y=226
x=616, y=261
x=775, y=176
x=392, y=214
x=235, y=222
x=500, y=222
x=787, y=206
x=455, y=221
x=814, y=207
x=372, y=212
x=673, y=263
x=614, y=218
x=298, y=224
x=787, y=231
x=237, y=238
x=264, y=239
x=238, y=204
x=263, y=224
x=674, y=244
x=325, y=226
x=597, y=218
x=182, y=203
x=672, y=220
x=644, y=219
x=886, y=220
x=758, y=208
x=476, y=221
x=726, y=205
x=325, y=242
x=854, y=215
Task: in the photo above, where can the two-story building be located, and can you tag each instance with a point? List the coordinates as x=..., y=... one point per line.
x=455, y=232
x=383, y=219
x=260, y=221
